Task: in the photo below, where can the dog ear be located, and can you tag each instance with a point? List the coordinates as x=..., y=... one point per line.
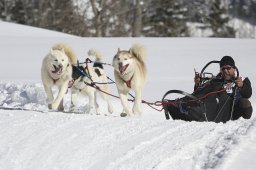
x=62, y=50
x=112, y=63
x=130, y=51
x=51, y=51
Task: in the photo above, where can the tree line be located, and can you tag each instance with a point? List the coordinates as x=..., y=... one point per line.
x=130, y=18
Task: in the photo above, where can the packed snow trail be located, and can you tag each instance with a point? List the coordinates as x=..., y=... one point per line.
x=54, y=140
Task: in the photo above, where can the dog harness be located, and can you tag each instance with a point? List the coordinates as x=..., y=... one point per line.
x=55, y=80
x=128, y=82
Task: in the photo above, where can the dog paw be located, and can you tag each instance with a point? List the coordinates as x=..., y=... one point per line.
x=136, y=111
x=90, y=110
x=123, y=114
x=72, y=108
x=54, y=106
x=50, y=106
x=60, y=108
x=98, y=111
x=110, y=109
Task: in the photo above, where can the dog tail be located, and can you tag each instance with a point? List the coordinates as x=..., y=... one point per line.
x=139, y=52
x=96, y=53
x=68, y=51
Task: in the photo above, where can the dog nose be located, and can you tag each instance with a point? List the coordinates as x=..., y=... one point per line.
x=120, y=64
x=60, y=65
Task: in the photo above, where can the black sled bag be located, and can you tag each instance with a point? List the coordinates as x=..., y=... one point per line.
x=209, y=102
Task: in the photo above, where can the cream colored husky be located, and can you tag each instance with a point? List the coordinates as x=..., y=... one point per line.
x=130, y=74
x=56, y=70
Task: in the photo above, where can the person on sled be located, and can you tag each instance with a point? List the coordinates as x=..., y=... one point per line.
x=241, y=94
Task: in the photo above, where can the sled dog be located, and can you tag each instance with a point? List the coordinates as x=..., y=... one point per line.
x=130, y=74
x=92, y=74
x=56, y=70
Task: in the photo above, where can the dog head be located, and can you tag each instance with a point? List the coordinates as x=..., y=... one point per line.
x=123, y=62
x=57, y=62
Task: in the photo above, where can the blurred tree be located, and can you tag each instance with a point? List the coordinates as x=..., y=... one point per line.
x=117, y=18
x=6, y=7
x=137, y=18
x=61, y=15
x=18, y=12
x=105, y=18
x=166, y=18
x=218, y=19
x=244, y=9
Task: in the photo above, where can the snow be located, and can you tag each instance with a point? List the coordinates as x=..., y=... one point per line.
x=36, y=138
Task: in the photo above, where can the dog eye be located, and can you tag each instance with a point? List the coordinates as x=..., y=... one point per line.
x=125, y=58
x=62, y=59
x=55, y=60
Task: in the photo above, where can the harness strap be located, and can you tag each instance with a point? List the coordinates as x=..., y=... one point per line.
x=129, y=82
x=55, y=80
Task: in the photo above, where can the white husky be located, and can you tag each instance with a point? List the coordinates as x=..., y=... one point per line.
x=92, y=74
x=130, y=73
x=57, y=71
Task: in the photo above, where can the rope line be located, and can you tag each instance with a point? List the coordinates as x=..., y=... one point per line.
x=153, y=105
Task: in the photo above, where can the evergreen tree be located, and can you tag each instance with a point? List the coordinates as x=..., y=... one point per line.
x=6, y=7
x=218, y=20
x=18, y=12
x=166, y=18
x=244, y=9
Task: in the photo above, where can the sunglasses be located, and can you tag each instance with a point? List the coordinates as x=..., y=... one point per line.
x=226, y=68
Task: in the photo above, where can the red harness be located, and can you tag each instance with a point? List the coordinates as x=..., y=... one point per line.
x=55, y=80
x=129, y=82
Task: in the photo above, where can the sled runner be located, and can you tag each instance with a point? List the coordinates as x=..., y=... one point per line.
x=209, y=102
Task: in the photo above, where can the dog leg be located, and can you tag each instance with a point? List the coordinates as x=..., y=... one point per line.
x=61, y=107
x=50, y=97
x=110, y=107
x=49, y=94
x=124, y=101
x=137, y=103
x=106, y=98
x=97, y=108
x=91, y=102
x=60, y=96
x=73, y=98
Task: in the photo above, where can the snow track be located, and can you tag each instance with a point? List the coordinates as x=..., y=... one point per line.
x=54, y=140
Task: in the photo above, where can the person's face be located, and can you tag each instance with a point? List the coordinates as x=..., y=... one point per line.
x=228, y=72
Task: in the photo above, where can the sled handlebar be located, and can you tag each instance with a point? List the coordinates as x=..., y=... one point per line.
x=180, y=92
x=211, y=62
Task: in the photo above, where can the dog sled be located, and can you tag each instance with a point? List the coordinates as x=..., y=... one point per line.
x=209, y=102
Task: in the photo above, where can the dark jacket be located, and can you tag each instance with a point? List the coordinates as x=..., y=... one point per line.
x=246, y=90
x=243, y=92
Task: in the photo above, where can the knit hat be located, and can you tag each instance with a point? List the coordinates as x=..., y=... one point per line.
x=227, y=60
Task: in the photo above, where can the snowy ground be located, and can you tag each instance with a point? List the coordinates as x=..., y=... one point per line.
x=44, y=140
